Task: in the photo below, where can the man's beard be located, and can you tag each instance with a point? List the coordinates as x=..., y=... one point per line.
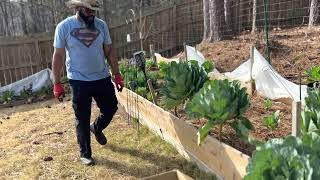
x=88, y=20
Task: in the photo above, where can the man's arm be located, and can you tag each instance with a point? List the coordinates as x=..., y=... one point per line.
x=57, y=64
x=111, y=56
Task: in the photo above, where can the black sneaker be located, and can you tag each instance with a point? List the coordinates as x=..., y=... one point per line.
x=87, y=161
x=100, y=137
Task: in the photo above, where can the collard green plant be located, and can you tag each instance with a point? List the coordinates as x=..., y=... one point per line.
x=142, y=91
x=154, y=76
x=267, y=103
x=313, y=74
x=7, y=96
x=163, y=69
x=272, y=121
x=208, y=66
x=288, y=158
x=311, y=113
x=149, y=64
x=26, y=92
x=182, y=81
x=221, y=102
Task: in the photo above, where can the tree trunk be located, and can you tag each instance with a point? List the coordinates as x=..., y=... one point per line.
x=3, y=8
x=13, y=30
x=23, y=18
x=206, y=20
x=105, y=9
x=214, y=20
x=34, y=17
x=254, y=16
x=215, y=16
x=227, y=14
x=53, y=13
x=313, y=12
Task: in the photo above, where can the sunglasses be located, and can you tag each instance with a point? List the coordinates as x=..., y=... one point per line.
x=87, y=10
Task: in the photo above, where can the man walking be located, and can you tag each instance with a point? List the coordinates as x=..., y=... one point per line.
x=85, y=41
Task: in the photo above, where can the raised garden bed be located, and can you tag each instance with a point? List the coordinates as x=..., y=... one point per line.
x=228, y=157
x=213, y=155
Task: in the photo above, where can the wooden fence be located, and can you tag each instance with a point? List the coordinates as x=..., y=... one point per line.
x=167, y=28
x=21, y=58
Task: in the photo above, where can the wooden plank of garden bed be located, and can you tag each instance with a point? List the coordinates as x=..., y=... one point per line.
x=214, y=156
x=12, y=104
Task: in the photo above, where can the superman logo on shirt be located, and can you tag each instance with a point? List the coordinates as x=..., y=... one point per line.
x=86, y=36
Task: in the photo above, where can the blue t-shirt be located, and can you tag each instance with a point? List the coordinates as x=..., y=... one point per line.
x=85, y=58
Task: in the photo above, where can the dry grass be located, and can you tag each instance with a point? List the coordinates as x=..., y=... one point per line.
x=32, y=133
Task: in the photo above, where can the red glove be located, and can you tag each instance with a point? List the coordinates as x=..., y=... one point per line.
x=58, y=91
x=119, y=82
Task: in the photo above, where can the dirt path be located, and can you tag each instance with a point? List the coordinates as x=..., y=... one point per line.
x=38, y=142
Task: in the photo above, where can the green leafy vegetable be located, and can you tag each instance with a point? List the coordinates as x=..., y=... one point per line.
x=221, y=102
x=208, y=66
x=313, y=74
x=163, y=69
x=26, y=92
x=272, y=121
x=311, y=114
x=149, y=64
x=7, y=96
x=288, y=158
x=183, y=80
x=267, y=103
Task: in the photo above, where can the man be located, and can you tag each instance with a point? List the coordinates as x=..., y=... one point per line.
x=86, y=41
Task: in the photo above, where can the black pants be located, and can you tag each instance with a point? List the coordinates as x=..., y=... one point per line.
x=82, y=93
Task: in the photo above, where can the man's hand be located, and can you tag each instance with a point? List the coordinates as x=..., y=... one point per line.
x=119, y=82
x=58, y=91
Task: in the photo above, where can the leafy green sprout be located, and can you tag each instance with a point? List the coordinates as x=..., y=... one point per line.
x=7, y=96
x=272, y=121
x=313, y=74
x=26, y=92
x=267, y=103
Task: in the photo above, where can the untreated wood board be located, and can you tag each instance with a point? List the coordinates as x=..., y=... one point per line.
x=217, y=157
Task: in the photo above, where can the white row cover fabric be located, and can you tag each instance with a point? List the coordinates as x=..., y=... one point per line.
x=193, y=54
x=268, y=82
x=35, y=82
x=163, y=59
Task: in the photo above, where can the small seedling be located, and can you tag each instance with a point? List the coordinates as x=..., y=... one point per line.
x=26, y=92
x=267, y=103
x=7, y=96
x=272, y=121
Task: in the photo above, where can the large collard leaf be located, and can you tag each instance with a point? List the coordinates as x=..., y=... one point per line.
x=288, y=158
x=219, y=101
x=311, y=114
x=313, y=100
x=182, y=81
x=242, y=127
